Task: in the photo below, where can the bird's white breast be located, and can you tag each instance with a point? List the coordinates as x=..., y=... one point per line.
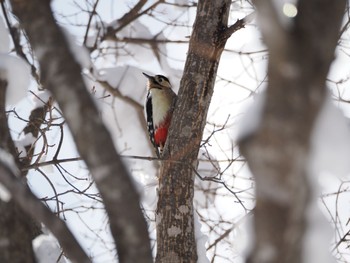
x=160, y=106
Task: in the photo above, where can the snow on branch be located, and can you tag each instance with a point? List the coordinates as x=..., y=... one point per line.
x=9, y=178
x=61, y=74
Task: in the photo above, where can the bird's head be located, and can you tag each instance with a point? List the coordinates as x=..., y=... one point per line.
x=157, y=81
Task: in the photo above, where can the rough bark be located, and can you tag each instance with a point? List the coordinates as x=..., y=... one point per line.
x=17, y=225
x=15, y=228
x=277, y=152
x=28, y=202
x=15, y=234
x=60, y=73
x=174, y=218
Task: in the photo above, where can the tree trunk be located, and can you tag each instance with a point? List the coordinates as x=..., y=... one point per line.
x=61, y=74
x=277, y=152
x=174, y=218
x=15, y=225
x=15, y=234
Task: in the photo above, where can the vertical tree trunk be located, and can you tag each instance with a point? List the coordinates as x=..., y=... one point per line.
x=277, y=152
x=61, y=74
x=15, y=225
x=174, y=218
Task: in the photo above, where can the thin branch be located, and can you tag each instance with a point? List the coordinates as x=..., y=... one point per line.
x=127, y=18
x=215, y=131
x=219, y=181
x=136, y=157
x=240, y=23
x=132, y=15
x=116, y=93
x=62, y=75
x=228, y=231
x=16, y=42
x=53, y=189
x=93, y=12
x=52, y=162
x=151, y=41
x=30, y=204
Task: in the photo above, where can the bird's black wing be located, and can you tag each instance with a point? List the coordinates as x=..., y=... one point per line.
x=149, y=118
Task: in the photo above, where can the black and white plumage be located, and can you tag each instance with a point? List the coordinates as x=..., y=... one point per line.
x=160, y=103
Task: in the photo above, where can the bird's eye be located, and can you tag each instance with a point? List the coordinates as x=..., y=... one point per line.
x=160, y=80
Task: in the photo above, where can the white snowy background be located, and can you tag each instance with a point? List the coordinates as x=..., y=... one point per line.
x=222, y=211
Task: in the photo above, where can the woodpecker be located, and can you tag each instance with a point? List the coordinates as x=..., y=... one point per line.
x=160, y=103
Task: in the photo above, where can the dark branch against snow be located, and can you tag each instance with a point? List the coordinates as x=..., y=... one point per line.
x=61, y=74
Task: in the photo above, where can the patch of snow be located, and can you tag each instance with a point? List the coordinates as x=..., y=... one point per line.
x=205, y=190
x=318, y=235
x=91, y=40
x=8, y=160
x=46, y=168
x=136, y=29
x=244, y=236
x=114, y=24
x=22, y=153
x=40, y=98
x=175, y=74
x=251, y=120
x=201, y=240
x=4, y=193
x=46, y=249
x=129, y=81
x=148, y=189
x=330, y=149
x=4, y=38
x=17, y=74
x=25, y=140
x=330, y=142
x=182, y=2
x=143, y=53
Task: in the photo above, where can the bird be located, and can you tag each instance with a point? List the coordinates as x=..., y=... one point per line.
x=159, y=108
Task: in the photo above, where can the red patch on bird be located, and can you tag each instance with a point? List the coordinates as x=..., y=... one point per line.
x=160, y=136
x=161, y=132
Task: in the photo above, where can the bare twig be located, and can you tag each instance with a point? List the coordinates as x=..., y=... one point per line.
x=240, y=23
x=93, y=12
x=30, y=204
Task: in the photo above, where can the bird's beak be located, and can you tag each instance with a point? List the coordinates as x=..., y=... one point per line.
x=148, y=76
x=151, y=80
